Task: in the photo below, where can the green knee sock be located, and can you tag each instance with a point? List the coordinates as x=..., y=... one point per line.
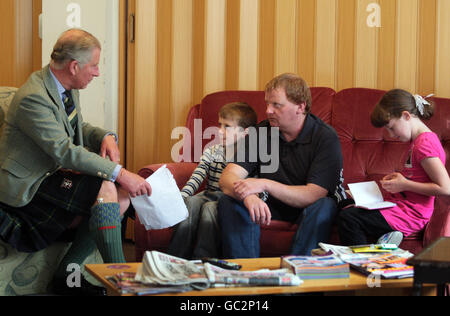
x=105, y=225
x=82, y=247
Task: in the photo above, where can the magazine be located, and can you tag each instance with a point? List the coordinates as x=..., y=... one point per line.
x=318, y=267
x=367, y=195
x=388, y=265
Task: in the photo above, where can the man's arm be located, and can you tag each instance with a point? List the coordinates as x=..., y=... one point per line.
x=258, y=210
x=230, y=175
x=296, y=196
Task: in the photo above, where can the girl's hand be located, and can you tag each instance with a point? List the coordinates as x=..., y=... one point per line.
x=394, y=183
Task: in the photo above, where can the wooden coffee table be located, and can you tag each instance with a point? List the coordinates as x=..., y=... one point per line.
x=357, y=284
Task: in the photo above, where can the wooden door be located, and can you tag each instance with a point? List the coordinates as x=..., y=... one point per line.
x=21, y=51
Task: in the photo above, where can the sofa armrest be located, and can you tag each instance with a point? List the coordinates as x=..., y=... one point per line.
x=439, y=225
x=181, y=171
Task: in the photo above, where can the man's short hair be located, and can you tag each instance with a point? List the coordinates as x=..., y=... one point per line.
x=244, y=115
x=297, y=90
x=74, y=44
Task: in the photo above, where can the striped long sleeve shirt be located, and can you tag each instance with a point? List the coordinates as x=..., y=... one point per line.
x=211, y=165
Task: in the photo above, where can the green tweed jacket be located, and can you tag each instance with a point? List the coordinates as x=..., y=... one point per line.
x=38, y=140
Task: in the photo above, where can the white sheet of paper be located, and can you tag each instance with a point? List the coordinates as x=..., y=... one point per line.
x=165, y=207
x=368, y=195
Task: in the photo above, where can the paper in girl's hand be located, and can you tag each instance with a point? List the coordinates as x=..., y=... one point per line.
x=166, y=207
x=367, y=195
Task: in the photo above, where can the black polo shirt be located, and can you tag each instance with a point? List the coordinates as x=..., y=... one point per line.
x=314, y=157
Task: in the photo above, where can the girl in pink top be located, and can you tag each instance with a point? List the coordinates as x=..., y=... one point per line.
x=414, y=189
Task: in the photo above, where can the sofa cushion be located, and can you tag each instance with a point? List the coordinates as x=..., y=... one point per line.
x=30, y=273
x=440, y=124
x=369, y=153
x=6, y=96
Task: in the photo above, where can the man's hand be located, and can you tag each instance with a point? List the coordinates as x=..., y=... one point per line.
x=244, y=188
x=134, y=184
x=259, y=211
x=110, y=149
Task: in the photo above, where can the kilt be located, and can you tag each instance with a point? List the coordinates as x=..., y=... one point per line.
x=60, y=199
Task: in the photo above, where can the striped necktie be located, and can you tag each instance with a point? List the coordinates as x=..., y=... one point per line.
x=71, y=110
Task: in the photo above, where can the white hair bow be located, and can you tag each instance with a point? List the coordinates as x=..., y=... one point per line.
x=421, y=102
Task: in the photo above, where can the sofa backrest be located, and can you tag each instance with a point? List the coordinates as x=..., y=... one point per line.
x=6, y=96
x=440, y=124
x=208, y=110
x=369, y=153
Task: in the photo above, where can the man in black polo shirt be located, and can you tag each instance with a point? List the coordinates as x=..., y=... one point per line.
x=304, y=185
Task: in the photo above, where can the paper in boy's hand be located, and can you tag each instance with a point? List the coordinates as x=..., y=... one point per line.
x=165, y=207
x=367, y=195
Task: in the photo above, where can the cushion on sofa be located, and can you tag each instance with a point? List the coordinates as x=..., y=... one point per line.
x=369, y=153
x=30, y=273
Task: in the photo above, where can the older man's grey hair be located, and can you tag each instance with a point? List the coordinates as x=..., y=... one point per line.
x=74, y=44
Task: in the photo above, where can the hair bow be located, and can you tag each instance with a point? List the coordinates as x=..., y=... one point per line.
x=421, y=102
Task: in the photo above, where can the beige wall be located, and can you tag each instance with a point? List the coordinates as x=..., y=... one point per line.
x=186, y=49
x=100, y=17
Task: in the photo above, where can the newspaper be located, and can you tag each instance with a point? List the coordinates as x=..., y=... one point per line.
x=127, y=284
x=265, y=277
x=164, y=270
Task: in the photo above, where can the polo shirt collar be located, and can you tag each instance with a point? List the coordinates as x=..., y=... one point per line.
x=306, y=133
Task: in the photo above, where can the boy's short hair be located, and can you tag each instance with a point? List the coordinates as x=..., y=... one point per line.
x=241, y=112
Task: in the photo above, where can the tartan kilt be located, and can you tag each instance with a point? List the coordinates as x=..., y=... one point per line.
x=60, y=199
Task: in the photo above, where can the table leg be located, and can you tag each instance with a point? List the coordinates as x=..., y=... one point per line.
x=441, y=289
x=417, y=288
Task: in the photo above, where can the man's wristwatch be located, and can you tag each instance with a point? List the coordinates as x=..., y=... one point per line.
x=263, y=196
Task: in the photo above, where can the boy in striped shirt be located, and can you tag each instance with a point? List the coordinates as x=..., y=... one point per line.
x=199, y=236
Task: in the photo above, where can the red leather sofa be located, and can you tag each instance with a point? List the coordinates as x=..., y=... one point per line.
x=368, y=152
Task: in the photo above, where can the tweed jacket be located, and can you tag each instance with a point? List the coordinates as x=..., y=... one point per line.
x=38, y=140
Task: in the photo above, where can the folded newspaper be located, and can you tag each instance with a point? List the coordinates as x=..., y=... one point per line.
x=164, y=270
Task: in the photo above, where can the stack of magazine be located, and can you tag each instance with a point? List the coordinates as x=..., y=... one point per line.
x=390, y=264
x=162, y=273
x=318, y=267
